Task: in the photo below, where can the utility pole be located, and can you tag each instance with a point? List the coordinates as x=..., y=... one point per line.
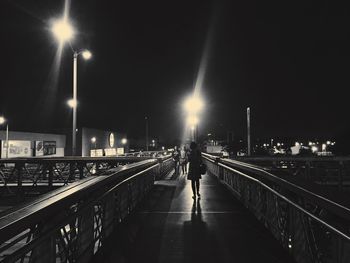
x=248, y=131
x=146, y=118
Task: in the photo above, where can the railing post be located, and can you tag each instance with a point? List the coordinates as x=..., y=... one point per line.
x=86, y=236
x=71, y=171
x=45, y=252
x=109, y=215
x=81, y=170
x=20, y=192
x=50, y=176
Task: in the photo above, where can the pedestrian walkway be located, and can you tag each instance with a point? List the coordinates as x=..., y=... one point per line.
x=172, y=227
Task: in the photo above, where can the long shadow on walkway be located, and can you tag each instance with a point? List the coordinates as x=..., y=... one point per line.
x=169, y=226
x=197, y=238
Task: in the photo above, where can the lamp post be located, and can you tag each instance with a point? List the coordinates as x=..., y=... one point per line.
x=248, y=132
x=86, y=55
x=146, y=118
x=64, y=32
x=2, y=121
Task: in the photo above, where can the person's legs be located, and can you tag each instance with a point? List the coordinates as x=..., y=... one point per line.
x=197, y=183
x=193, y=185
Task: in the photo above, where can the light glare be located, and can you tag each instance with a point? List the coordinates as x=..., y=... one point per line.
x=124, y=141
x=62, y=30
x=193, y=104
x=2, y=120
x=192, y=120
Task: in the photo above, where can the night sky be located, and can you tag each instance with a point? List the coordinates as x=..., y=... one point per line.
x=288, y=61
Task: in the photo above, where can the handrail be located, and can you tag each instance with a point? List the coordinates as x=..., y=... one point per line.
x=18, y=220
x=293, y=158
x=344, y=211
x=334, y=229
x=74, y=159
x=310, y=226
x=338, y=208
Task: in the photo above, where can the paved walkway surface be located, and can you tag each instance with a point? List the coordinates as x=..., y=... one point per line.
x=172, y=227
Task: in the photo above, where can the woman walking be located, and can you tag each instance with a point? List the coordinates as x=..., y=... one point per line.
x=194, y=174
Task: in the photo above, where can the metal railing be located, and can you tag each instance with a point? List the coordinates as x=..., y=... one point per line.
x=330, y=171
x=70, y=224
x=310, y=226
x=50, y=173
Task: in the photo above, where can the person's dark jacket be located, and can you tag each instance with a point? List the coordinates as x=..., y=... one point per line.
x=195, y=160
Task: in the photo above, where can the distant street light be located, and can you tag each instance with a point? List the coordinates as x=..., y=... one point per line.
x=64, y=32
x=86, y=54
x=93, y=140
x=193, y=105
x=2, y=122
x=72, y=103
x=124, y=141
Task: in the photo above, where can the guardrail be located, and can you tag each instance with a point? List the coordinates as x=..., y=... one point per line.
x=49, y=173
x=310, y=226
x=331, y=171
x=70, y=224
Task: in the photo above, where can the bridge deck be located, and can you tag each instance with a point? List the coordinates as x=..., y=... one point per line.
x=171, y=227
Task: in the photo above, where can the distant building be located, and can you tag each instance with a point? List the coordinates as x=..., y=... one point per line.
x=94, y=142
x=30, y=144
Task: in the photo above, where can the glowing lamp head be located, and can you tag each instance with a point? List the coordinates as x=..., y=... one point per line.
x=62, y=30
x=2, y=120
x=72, y=103
x=93, y=139
x=124, y=141
x=86, y=54
x=193, y=104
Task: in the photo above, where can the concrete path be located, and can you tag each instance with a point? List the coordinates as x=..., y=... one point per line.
x=172, y=227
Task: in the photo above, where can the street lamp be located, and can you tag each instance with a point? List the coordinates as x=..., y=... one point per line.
x=93, y=140
x=64, y=32
x=3, y=121
x=124, y=141
x=193, y=105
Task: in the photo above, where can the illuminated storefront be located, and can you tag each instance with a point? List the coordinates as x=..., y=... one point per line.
x=93, y=142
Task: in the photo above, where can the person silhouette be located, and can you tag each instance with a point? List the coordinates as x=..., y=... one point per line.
x=194, y=174
x=176, y=159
